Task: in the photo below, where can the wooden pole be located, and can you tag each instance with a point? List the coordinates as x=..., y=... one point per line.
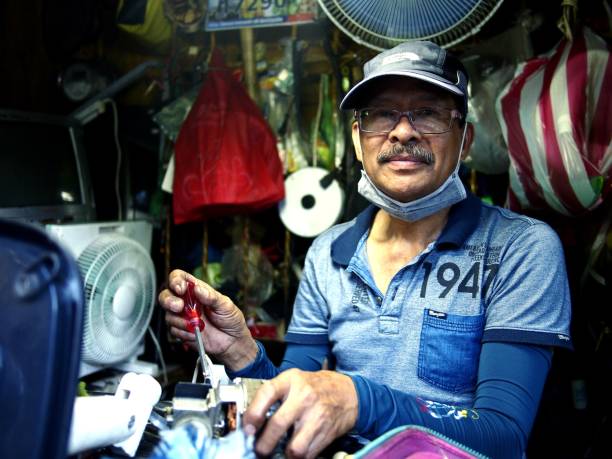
x=248, y=60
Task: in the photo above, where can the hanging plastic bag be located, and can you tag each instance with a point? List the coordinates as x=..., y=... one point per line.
x=226, y=161
x=555, y=116
x=488, y=153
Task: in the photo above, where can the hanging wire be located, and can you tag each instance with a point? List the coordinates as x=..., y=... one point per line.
x=213, y=45
x=316, y=124
x=286, y=267
x=245, y=243
x=474, y=181
x=160, y=354
x=205, y=253
x=119, y=157
x=167, y=248
x=567, y=21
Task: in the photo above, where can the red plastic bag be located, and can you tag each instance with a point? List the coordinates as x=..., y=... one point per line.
x=556, y=119
x=226, y=161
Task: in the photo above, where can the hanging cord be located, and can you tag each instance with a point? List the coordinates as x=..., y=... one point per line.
x=567, y=21
x=316, y=124
x=167, y=251
x=285, y=282
x=119, y=155
x=205, y=253
x=167, y=239
x=286, y=266
x=213, y=44
x=160, y=355
x=245, y=260
x=596, y=248
x=474, y=182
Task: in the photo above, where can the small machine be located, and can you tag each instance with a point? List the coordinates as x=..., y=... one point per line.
x=206, y=416
x=214, y=410
x=40, y=355
x=120, y=290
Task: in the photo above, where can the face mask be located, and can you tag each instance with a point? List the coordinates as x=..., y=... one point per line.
x=450, y=192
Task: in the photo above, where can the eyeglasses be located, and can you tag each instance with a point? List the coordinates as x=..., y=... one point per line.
x=426, y=120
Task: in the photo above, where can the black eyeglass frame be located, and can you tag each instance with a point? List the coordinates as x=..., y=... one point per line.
x=455, y=114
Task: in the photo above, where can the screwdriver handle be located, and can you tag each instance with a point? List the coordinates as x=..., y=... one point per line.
x=192, y=309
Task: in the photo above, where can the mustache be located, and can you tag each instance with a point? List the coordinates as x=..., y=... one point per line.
x=411, y=151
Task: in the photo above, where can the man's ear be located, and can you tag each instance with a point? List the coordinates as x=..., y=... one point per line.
x=357, y=141
x=469, y=138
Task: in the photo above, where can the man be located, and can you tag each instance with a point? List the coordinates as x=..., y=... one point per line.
x=434, y=308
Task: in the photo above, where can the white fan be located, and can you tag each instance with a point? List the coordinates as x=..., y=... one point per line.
x=119, y=285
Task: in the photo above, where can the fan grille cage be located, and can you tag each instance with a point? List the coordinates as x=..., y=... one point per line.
x=110, y=263
x=383, y=24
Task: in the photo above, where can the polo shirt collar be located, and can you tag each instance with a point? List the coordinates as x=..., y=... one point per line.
x=343, y=248
x=462, y=221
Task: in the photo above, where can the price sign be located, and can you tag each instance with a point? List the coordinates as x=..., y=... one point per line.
x=237, y=14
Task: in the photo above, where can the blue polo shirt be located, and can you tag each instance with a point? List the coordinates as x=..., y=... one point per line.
x=491, y=276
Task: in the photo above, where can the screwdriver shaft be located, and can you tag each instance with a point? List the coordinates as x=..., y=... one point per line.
x=206, y=370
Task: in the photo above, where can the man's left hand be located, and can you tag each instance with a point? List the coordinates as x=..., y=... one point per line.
x=321, y=406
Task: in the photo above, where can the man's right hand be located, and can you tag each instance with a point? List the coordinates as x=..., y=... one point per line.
x=226, y=335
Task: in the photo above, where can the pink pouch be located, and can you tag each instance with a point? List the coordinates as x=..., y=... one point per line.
x=415, y=442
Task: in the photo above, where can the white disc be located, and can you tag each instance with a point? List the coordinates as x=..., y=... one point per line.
x=309, y=209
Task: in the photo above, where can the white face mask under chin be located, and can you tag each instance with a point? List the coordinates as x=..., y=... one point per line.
x=450, y=192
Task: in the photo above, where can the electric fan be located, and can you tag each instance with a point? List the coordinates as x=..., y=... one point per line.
x=119, y=284
x=382, y=24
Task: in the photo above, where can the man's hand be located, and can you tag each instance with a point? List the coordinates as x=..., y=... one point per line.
x=321, y=406
x=226, y=335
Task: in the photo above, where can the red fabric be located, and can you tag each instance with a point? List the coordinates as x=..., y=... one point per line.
x=576, y=62
x=556, y=118
x=226, y=161
x=516, y=141
x=602, y=119
x=558, y=175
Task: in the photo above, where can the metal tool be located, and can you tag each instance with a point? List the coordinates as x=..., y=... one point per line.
x=192, y=311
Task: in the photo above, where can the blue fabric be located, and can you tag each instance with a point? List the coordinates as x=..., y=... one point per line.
x=492, y=275
x=446, y=195
x=510, y=381
x=460, y=335
x=262, y=367
x=511, y=378
x=188, y=441
x=447, y=344
x=308, y=357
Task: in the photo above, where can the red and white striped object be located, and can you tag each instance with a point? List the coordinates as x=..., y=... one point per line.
x=556, y=118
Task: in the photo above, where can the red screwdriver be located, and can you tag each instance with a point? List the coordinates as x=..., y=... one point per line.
x=192, y=312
